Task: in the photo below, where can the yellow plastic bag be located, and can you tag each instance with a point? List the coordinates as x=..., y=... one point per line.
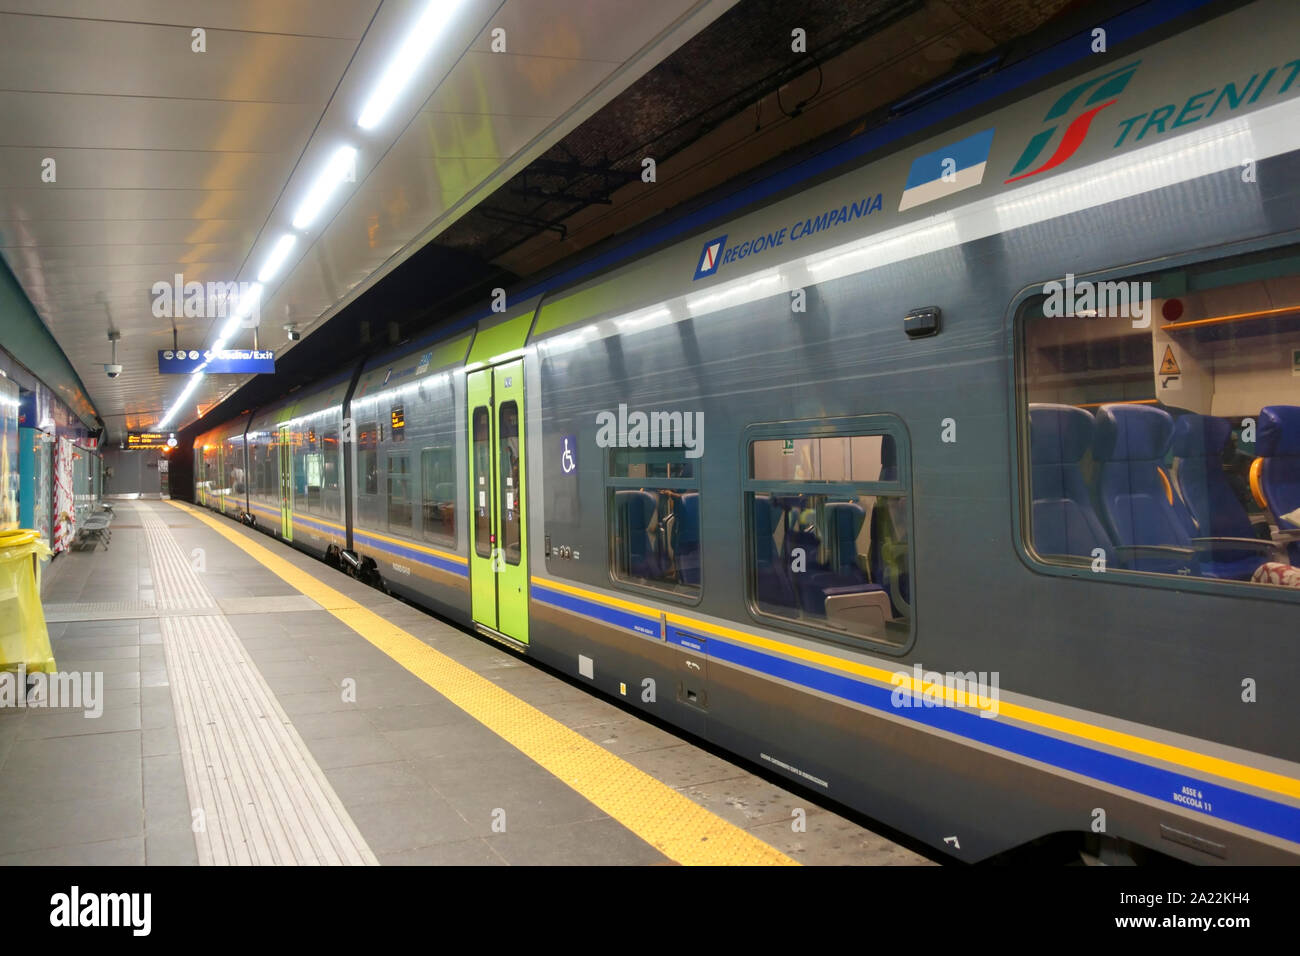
x=24, y=640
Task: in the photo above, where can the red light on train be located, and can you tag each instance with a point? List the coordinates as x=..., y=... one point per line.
x=1172, y=310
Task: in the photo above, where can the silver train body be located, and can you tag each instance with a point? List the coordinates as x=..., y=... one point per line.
x=784, y=473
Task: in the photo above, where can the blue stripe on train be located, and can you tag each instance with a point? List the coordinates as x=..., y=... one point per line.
x=638, y=623
x=413, y=554
x=423, y=557
x=1245, y=809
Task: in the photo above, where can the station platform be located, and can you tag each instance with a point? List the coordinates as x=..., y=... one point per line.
x=258, y=707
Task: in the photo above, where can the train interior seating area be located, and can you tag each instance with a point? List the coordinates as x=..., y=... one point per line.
x=826, y=555
x=1173, y=448
x=830, y=555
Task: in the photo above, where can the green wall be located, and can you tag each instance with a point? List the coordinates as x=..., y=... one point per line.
x=24, y=336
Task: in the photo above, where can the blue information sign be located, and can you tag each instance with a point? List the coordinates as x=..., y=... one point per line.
x=225, y=362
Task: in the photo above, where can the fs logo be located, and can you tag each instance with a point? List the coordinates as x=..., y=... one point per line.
x=711, y=257
x=1102, y=92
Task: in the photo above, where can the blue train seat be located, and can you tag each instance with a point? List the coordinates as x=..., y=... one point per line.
x=1063, y=519
x=773, y=588
x=1211, y=509
x=641, y=549
x=1131, y=443
x=841, y=575
x=687, y=532
x=801, y=551
x=845, y=520
x=1277, y=444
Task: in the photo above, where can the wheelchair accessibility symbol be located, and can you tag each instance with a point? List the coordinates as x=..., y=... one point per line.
x=569, y=457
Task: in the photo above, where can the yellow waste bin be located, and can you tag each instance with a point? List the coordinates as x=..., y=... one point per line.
x=24, y=641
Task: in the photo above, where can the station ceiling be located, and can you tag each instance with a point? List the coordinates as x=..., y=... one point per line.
x=491, y=164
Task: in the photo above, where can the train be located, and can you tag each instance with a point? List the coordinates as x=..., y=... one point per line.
x=951, y=473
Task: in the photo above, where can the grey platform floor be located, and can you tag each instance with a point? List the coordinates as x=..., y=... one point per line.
x=419, y=777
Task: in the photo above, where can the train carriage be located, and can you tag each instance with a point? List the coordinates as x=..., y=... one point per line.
x=960, y=487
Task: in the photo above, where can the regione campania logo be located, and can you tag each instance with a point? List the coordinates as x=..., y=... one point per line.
x=711, y=257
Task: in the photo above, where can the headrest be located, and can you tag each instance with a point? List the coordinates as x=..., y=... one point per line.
x=1200, y=436
x=848, y=510
x=888, y=458
x=1132, y=433
x=637, y=500
x=1058, y=434
x=1278, y=434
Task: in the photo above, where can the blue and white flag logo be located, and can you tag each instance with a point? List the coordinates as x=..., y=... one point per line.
x=947, y=170
x=711, y=257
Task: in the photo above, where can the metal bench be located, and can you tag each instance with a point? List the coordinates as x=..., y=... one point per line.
x=95, y=529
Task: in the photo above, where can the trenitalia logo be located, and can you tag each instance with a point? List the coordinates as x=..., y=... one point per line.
x=1103, y=91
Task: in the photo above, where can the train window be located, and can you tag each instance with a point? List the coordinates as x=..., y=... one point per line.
x=399, y=493
x=313, y=460
x=266, y=471
x=834, y=458
x=508, y=456
x=438, y=478
x=1160, y=421
x=330, y=497
x=827, y=515
x=479, y=493
x=650, y=463
x=368, y=458
x=654, y=503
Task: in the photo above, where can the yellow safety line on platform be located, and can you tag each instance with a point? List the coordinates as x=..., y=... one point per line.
x=673, y=824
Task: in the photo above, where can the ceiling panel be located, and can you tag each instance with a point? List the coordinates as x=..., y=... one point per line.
x=146, y=169
x=56, y=55
x=121, y=232
x=170, y=161
x=516, y=85
x=60, y=259
x=608, y=30
x=74, y=203
x=335, y=18
x=67, y=120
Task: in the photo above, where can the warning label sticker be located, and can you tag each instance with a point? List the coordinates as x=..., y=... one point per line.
x=1169, y=364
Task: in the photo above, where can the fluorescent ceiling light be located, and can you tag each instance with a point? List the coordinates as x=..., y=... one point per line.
x=243, y=308
x=276, y=259
x=335, y=172
x=195, y=378
x=406, y=61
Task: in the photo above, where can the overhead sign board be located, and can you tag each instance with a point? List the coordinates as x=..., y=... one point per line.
x=225, y=362
x=150, y=440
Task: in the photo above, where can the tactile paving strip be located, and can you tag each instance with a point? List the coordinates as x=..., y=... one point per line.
x=263, y=797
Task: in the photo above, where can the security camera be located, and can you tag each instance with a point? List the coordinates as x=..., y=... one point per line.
x=112, y=371
x=294, y=334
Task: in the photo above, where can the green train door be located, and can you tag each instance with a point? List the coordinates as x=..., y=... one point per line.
x=286, y=484
x=498, y=535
